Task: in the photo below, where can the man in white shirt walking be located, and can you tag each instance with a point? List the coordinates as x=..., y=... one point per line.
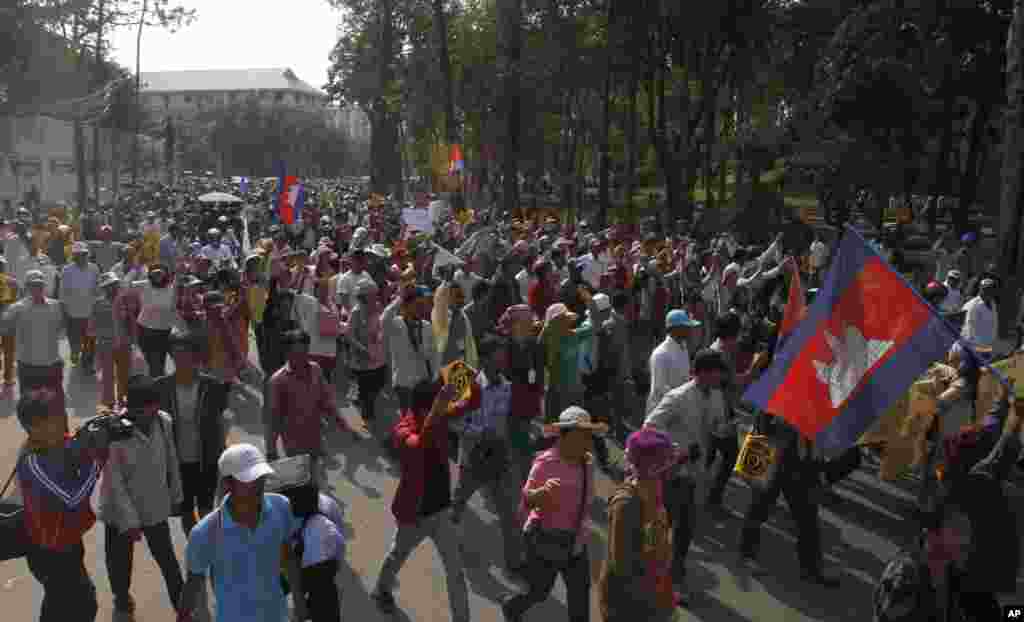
x=981, y=323
x=690, y=414
x=670, y=361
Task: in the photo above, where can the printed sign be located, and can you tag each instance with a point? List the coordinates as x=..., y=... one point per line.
x=462, y=376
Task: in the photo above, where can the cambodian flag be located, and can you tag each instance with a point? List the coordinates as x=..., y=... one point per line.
x=243, y=185
x=455, y=162
x=287, y=198
x=865, y=339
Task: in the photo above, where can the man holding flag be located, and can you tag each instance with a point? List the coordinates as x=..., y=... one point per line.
x=861, y=344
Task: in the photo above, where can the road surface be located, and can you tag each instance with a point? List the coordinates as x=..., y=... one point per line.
x=864, y=525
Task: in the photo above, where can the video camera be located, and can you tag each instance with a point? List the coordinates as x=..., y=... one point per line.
x=115, y=426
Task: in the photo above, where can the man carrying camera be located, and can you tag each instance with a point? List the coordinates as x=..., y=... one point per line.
x=140, y=490
x=56, y=474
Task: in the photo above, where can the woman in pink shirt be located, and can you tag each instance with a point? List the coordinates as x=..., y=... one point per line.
x=558, y=494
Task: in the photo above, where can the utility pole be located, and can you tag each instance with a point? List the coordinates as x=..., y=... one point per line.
x=100, y=77
x=138, y=90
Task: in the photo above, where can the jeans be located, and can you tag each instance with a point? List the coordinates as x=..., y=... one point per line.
x=120, y=551
x=68, y=592
x=681, y=505
x=540, y=577
x=155, y=346
x=728, y=448
x=408, y=536
x=795, y=480
x=198, y=486
x=503, y=490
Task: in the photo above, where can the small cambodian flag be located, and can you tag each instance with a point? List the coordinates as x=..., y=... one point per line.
x=243, y=185
x=865, y=339
x=455, y=162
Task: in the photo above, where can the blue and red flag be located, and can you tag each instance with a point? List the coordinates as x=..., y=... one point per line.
x=456, y=163
x=865, y=339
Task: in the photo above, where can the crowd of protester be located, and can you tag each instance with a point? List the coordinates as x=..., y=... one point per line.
x=580, y=339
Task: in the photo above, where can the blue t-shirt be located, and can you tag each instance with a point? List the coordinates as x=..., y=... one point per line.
x=246, y=563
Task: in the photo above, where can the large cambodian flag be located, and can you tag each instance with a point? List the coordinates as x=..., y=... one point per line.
x=865, y=339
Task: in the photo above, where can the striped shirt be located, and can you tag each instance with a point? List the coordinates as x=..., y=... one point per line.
x=56, y=498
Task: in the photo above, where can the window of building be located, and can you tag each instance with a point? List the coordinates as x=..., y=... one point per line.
x=188, y=99
x=167, y=101
x=279, y=97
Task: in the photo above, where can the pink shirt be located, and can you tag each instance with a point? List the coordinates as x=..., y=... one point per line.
x=549, y=465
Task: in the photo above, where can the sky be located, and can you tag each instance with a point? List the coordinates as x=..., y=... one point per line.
x=240, y=34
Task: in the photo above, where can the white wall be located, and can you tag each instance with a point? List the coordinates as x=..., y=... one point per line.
x=40, y=152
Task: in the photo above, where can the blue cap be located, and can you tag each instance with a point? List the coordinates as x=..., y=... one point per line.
x=967, y=238
x=422, y=291
x=678, y=318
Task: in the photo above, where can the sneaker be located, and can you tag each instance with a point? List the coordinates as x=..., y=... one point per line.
x=385, y=602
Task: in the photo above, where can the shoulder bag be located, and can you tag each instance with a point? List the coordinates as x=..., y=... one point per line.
x=14, y=541
x=555, y=546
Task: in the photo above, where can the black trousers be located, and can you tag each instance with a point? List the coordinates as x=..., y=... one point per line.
x=540, y=576
x=155, y=346
x=69, y=594
x=795, y=480
x=728, y=448
x=322, y=598
x=680, y=503
x=371, y=382
x=198, y=485
x=120, y=552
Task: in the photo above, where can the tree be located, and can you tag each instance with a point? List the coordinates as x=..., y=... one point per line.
x=1011, y=243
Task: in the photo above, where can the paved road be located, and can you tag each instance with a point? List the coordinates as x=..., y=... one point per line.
x=863, y=526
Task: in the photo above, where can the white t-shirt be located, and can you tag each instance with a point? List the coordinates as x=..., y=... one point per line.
x=322, y=536
x=158, y=311
x=307, y=312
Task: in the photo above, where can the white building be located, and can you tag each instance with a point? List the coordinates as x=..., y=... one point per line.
x=184, y=94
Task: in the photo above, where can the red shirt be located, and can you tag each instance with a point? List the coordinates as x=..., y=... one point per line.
x=300, y=400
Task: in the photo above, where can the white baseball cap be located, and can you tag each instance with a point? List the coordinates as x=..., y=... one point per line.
x=244, y=462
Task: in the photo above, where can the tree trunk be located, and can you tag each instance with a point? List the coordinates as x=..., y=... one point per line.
x=632, y=140
x=970, y=177
x=78, y=132
x=138, y=89
x=509, y=55
x=604, y=187
x=1012, y=196
x=99, y=78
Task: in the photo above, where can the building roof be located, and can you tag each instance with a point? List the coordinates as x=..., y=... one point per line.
x=207, y=80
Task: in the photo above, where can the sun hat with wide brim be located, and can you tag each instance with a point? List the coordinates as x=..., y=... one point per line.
x=575, y=418
x=558, y=310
